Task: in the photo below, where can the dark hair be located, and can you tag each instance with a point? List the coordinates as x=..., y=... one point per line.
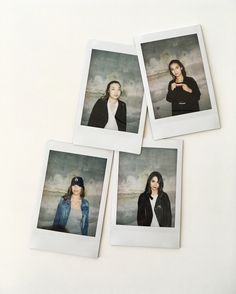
x=148, y=190
x=180, y=64
x=106, y=95
x=69, y=193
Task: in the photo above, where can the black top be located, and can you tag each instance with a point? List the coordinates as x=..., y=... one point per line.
x=99, y=115
x=182, y=101
x=162, y=210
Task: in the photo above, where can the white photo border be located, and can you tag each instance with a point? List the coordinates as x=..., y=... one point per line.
x=141, y=235
x=103, y=138
x=81, y=245
x=182, y=124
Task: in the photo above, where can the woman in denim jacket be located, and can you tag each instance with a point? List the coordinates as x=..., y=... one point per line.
x=73, y=210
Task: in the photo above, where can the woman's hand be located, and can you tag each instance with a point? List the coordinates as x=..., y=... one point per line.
x=173, y=86
x=186, y=88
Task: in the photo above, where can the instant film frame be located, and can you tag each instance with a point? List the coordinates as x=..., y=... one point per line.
x=124, y=228
x=69, y=243
x=155, y=51
x=106, y=62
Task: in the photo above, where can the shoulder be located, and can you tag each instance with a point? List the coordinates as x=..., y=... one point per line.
x=165, y=196
x=121, y=103
x=189, y=80
x=64, y=201
x=142, y=197
x=101, y=101
x=171, y=82
x=85, y=202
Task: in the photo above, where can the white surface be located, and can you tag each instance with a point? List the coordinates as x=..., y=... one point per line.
x=70, y=243
x=41, y=56
x=140, y=235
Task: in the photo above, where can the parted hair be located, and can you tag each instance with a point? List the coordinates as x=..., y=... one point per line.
x=180, y=64
x=148, y=190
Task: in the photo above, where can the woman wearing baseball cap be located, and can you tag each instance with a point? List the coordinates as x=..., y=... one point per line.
x=73, y=210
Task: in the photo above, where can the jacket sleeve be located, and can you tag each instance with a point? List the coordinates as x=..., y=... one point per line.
x=56, y=221
x=95, y=113
x=141, y=211
x=125, y=117
x=121, y=116
x=170, y=94
x=167, y=212
x=85, y=218
x=195, y=95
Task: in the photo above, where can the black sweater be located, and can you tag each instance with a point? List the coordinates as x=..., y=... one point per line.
x=99, y=115
x=182, y=101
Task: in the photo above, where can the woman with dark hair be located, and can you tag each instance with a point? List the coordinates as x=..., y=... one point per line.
x=154, y=204
x=183, y=92
x=73, y=210
x=109, y=111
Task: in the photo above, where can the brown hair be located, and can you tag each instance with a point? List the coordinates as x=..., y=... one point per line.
x=180, y=64
x=69, y=193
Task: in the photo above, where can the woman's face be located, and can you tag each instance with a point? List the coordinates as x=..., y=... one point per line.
x=175, y=69
x=76, y=190
x=154, y=184
x=114, y=91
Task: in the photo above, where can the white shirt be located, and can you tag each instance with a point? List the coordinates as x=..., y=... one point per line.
x=111, y=123
x=154, y=218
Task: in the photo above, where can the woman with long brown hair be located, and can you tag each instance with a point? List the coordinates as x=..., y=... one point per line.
x=73, y=210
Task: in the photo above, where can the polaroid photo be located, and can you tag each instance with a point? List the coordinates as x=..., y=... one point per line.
x=111, y=108
x=177, y=82
x=71, y=203
x=147, y=195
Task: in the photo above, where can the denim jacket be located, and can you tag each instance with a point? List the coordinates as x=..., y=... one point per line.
x=63, y=212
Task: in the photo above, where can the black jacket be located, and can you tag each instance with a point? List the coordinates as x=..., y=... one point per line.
x=162, y=210
x=183, y=102
x=99, y=115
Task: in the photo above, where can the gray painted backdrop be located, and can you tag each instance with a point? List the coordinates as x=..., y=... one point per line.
x=62, y=167
x=133, y=174
x=157, y=56
x=106, y=66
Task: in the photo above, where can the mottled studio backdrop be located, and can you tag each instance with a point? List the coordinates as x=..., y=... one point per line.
x=133, y=174
x=62, y=167
x=106, y=66
x=157, y=56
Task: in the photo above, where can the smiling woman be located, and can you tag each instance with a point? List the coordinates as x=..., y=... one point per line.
x=153, y=204
x=109, y=112
x=73, y=210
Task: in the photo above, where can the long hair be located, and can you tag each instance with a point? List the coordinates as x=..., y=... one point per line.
x=148, y=190
x=180, y=64
x=69, y=193
x=107, y=94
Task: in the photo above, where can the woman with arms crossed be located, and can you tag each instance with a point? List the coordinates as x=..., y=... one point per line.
x=73, y=210
x=109, y=111
x=183, y=92
x=154, y=204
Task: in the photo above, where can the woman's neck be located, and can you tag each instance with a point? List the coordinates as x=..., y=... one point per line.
x=179, y=79
x=154, y=193
x=75, y=201
x=112, y=100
